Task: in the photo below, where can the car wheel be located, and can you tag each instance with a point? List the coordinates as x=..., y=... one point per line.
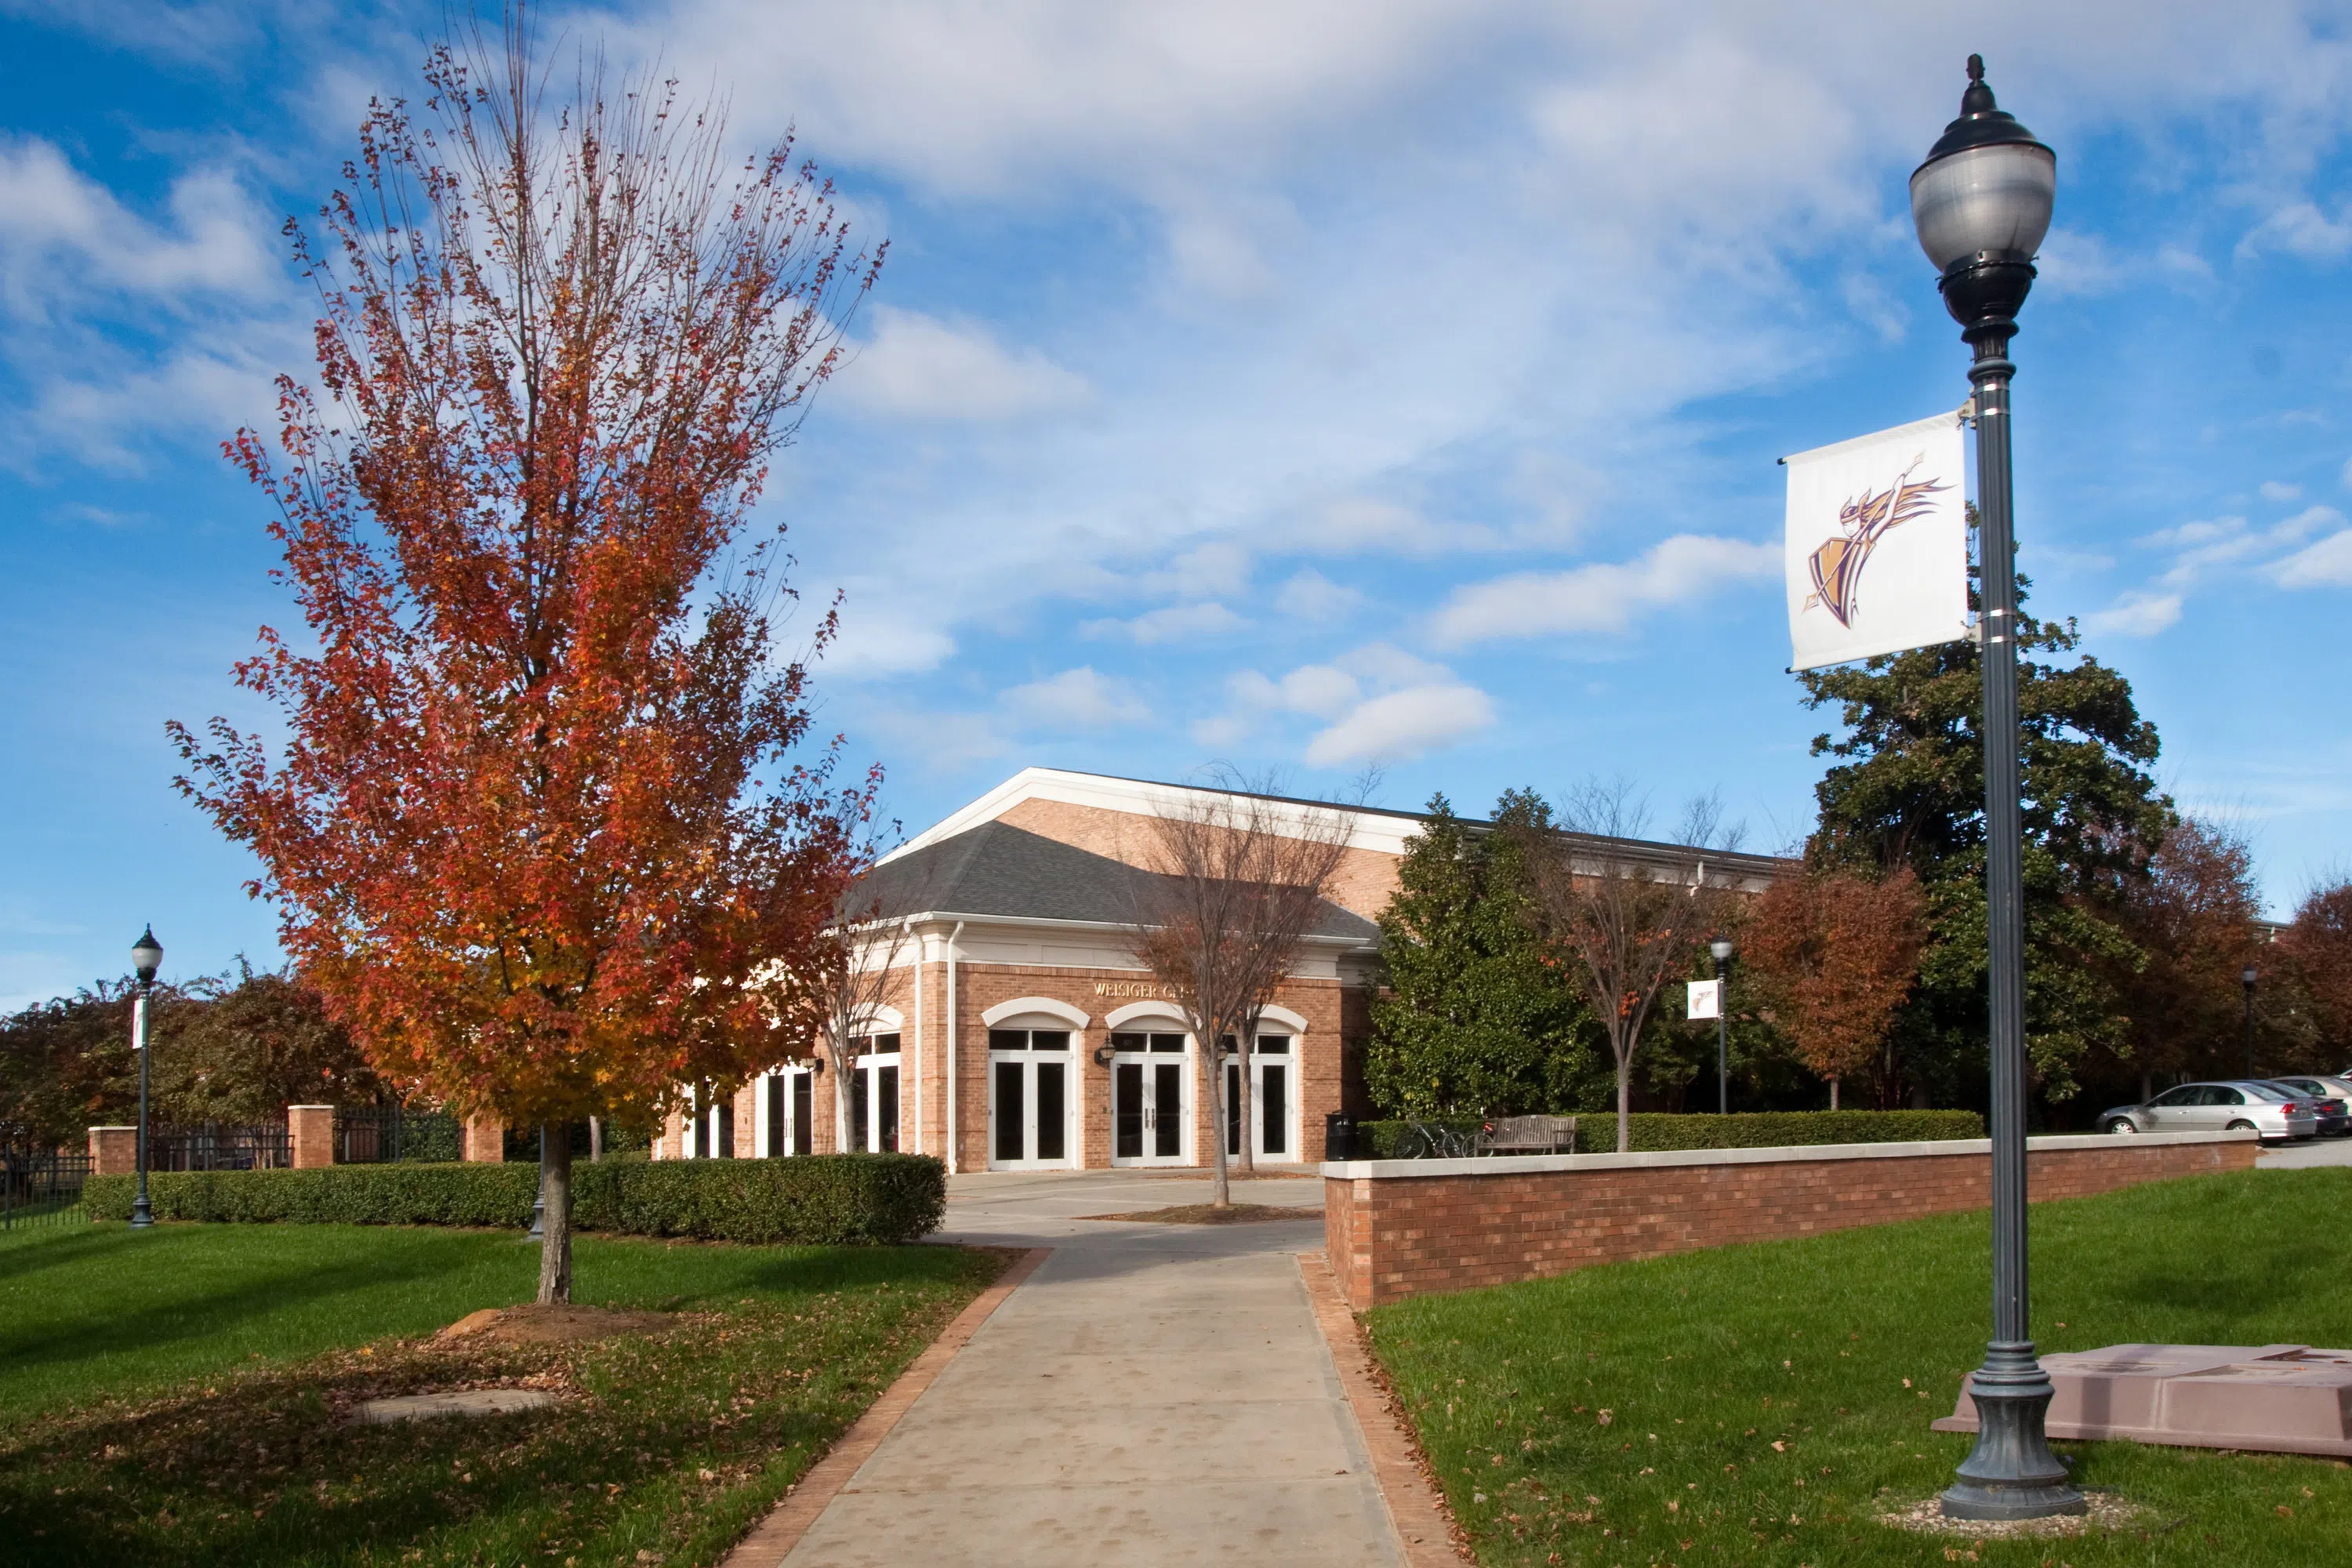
x=2243, y=1125
x=2123, y=1124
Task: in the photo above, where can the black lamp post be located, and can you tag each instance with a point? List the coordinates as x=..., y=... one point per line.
x=1982, y=203
x=146, y=957
x=2246, y=977
x=1721, y=948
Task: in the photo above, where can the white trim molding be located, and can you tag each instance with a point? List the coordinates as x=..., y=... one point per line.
x=1120, y=1017
x=884, y=1019
x=1270, y=1014
x=1021, y=1005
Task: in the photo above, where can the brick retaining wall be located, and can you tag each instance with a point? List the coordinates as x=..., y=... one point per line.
x=1406, y=1228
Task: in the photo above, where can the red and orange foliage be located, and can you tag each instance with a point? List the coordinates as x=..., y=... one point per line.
x=1837, y=954
x=2319, y=947
x=539, y=825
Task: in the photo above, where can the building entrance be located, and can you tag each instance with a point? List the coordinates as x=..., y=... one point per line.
x=1151, y=1112
x=874, y=1099
x=1031, y=1084
x=787, y=1112
x=1273, y=1134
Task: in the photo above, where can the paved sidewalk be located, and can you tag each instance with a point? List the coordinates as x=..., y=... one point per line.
x=2303, y=1156
x=1153, y=1395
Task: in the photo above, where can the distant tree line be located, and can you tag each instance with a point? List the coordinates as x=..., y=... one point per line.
x=235, y=1048
x=1864, y=973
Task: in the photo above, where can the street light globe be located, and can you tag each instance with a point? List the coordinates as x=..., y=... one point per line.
x=1981, y=205
x=147, y=956
x=2248, y=977
x=1721, y=948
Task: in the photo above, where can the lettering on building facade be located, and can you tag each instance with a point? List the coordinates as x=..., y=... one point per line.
x=1137, y=990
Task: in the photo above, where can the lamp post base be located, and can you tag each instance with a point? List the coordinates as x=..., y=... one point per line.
x=142, y=1216
x=2012, y=1474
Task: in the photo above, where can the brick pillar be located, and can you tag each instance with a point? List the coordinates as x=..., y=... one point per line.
x=485, y=1140
x=115, y=1150
x=310, y=1130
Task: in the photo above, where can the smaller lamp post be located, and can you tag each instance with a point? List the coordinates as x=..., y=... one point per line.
x=1721, y=948
x=2246, y=977
x=538, y=1231
x=146, y=957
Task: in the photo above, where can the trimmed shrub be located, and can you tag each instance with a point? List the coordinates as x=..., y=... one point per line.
x=1657, y=1131
x=819, y=1200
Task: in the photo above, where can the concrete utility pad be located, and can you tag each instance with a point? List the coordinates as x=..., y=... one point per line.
x=2288, y=1399
x=469, y=1401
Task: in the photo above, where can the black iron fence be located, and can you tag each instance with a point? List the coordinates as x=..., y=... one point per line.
x=216, y=1146
x=381, y=1135
x=41, y=1187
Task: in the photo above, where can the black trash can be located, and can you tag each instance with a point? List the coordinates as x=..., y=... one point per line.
x=1339, y=1137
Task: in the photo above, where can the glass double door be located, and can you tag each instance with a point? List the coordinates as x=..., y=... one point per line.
x=1272, y=1101
x=1031, y=1076
x=1150, y=1109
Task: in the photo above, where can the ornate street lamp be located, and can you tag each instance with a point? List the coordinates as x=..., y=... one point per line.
x=1982, y=203
x=2246, y=977
x=146, y=957
x=1721, y=948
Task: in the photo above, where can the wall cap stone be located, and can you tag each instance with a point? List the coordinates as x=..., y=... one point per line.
x=1538, y=1164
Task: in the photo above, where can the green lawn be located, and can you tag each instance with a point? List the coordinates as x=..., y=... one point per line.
x=180, y=1396
x=1759, y=1404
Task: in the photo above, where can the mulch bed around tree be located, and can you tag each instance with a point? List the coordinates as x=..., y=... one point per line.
x=1209, y=1214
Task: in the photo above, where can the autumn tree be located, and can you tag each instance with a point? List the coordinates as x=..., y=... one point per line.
x=2318, y=948
x=243, y=1047
x=1236, y=886
x=543, y=811
x=1622, y=915
x=1835, y=954
x=853, y=970
x=2190, y=916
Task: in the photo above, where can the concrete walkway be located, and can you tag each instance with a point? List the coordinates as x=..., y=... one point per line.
x=2303, y=1156
x=1153, y=1395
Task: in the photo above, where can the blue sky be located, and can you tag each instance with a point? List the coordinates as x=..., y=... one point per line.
x=1293, y=382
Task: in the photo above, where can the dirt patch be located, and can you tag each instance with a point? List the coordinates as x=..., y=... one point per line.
x=1206, y=1214
x=558, y=1325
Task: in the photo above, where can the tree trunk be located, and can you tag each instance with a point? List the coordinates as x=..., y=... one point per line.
x=1248, y=1158
x=555, y=1249
x=1834, y=1104
x=1624, y=1100
x=1221, y=1192
x=595, y=1140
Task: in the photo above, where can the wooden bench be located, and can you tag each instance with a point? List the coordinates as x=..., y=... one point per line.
x=1528, y=1136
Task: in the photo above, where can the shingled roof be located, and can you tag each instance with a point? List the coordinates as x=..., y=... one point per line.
x=996, y=869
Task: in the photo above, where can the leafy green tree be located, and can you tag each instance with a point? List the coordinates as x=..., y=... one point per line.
x=1907, y=788
x=1474, y=1019
x=244, y=1052
x=66, y=1064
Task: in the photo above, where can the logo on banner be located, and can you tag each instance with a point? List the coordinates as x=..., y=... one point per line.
x=1863, y=521
x=1877, y=547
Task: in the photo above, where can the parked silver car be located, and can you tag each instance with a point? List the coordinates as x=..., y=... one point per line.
x=2261, y=1107
x=2333, y=1097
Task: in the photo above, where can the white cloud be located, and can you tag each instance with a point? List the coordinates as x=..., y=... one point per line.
x=2138, y=614
x=880, y=638
x=1402, y=726
x=2074, y=262
x=1175, y=624
x=2278, y=491
x=2300, y=229
x=919, y=367
x=1603, y=597
x=1309, y=595
x=2327, y=563
x=1080, y=699
x=63, y=233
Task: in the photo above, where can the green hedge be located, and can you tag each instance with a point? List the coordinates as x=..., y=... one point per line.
x=1657, y=1131
x=823, y=1199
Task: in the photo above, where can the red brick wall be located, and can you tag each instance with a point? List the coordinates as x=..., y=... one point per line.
x=1392, y=1237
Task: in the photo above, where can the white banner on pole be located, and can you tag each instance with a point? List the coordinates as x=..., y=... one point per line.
x=1878, y=544
x=1706, y=999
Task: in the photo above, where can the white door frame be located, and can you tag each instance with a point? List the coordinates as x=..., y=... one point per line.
x=1028, y=1061
x=1187, y=1067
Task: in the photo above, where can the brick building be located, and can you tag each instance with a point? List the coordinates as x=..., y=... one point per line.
x=1019, y=1032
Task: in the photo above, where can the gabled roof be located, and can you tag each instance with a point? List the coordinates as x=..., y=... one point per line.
x=995, y=869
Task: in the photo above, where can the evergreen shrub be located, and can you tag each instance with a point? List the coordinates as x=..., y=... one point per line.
x=1659, y=1132
x=816, y=1200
